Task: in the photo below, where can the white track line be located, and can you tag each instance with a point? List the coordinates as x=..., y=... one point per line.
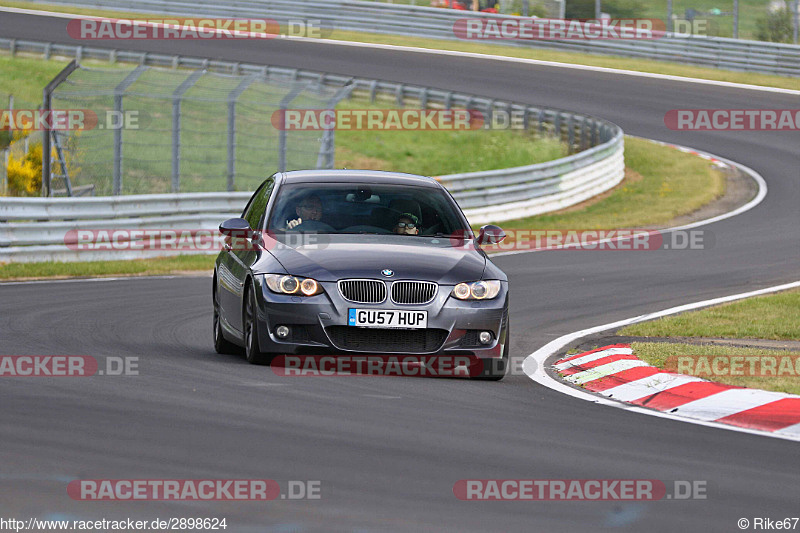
x=534, y=364
x=578, y=361
x=455, y=53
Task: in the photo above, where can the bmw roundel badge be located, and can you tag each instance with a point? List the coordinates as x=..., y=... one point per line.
x=387, y=272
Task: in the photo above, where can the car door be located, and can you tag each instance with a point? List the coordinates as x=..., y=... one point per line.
x=243, y=253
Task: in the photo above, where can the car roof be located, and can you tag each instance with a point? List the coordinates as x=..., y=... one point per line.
x=358, y=176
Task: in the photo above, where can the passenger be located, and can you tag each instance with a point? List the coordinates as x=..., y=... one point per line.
x=407, y=224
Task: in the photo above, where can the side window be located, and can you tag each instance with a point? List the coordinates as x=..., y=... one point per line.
x=255, y=210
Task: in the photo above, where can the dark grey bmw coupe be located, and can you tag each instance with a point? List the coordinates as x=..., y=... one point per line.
x=347, y=262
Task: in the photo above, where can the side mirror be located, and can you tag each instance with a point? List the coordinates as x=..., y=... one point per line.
x=491, y=234
x=237, y=228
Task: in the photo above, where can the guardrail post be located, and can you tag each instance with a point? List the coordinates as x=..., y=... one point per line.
x=557, y=126
x=373, y=89
x=232, y=98
x=570, y=132
x=119, y=92
x=176, y=127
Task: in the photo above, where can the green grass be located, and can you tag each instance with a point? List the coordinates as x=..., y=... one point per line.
x=661, y=183
x=775, y=316
x=156, y=266
x=435, y=153
x=25, y=79
x=787, y=380
x=642, y=65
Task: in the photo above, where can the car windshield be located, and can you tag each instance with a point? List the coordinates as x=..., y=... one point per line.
x=348, y=208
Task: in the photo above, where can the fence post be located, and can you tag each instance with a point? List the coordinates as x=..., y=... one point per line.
x=327, y=149
x=284, y=105
x=232, y=98
x=176, y=127
x=119, y=92
x=47, y=94
x=4, y=181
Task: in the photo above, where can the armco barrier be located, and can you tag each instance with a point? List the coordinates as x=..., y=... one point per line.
x=417, y=21
x=33, y=229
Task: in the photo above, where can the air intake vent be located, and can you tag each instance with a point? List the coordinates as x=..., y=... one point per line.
x=387, y=340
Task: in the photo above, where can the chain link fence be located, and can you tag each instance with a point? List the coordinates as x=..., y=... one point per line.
x=151, y=130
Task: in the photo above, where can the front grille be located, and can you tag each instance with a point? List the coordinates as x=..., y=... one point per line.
x=363, y=291
x=413, y=292
x=386, y=340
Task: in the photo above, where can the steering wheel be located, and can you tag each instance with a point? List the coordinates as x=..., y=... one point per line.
x=313, y=225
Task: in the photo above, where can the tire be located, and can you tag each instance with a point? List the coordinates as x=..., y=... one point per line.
x=495, y=369
x=221, y=344
x=252, y=350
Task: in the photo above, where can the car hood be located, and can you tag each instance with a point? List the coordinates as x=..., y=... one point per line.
x=338, y=257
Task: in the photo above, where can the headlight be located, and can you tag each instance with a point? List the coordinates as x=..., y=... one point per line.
x=477, y=290
x=285, y=284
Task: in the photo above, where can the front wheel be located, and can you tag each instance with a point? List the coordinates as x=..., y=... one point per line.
x=251, y=347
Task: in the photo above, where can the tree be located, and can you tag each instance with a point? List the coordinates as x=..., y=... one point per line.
x=776, y=27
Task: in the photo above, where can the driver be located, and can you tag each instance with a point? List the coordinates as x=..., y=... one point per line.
x=407, y=224
x=309, y=208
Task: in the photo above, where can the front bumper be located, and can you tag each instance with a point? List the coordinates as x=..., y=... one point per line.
x=318, y=325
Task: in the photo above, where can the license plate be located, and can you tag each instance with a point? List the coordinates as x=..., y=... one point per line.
x=388, y=318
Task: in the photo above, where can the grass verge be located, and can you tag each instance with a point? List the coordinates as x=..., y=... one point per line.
x=640, y=65
x=774, y=316
x=660, y=184
x=436, y=153
x=91, y=269
x=775, y=370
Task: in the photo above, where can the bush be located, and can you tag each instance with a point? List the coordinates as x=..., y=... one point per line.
x=25, y=174
x=776, y=27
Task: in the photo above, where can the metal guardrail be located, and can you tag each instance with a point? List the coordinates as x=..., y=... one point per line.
x=396, y=19
x=33, y=229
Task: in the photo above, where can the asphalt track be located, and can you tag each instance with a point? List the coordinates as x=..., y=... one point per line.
x=388, y=450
